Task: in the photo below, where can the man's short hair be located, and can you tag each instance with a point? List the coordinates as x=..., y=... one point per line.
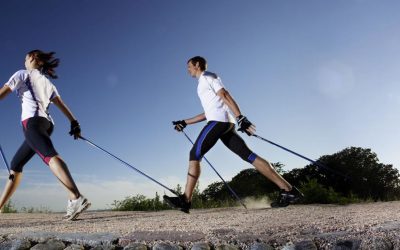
x=198, y=59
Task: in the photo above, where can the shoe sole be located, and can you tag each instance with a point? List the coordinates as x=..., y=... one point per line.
x=276, y=205
x=173, y=206
x=82, y=208
x=291, y=202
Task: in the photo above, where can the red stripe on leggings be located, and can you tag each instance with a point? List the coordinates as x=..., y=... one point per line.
x=25, y=123
x=46, y=159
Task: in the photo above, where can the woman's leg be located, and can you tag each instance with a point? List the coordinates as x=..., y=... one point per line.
x=10, y=188
x=60, y=170
x=37, y=134
x=23, y=155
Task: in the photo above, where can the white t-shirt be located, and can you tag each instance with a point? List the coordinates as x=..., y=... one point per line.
x=35, y=92
x=214, y=108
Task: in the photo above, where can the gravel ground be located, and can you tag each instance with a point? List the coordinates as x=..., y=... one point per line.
x=278, y=227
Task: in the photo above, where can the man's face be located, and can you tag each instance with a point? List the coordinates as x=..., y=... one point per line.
x=192, y=69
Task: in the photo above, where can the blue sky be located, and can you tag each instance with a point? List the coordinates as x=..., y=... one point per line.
x=315, y=76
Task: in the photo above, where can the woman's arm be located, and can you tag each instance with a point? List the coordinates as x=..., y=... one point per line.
x=63, y=107
x=75, y=127
x=4, y=91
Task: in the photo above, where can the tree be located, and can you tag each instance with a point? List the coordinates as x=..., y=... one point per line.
x=355, y=171
x=197, y=201
x=215, y=191
x=249, y=182
x=178, y=189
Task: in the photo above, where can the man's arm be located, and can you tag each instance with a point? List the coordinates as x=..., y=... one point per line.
x=229, y=101
x=4, y=91
x=180, y=125
x=198, y=118
x=244, y=124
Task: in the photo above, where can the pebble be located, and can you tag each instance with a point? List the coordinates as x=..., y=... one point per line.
x=51, y=244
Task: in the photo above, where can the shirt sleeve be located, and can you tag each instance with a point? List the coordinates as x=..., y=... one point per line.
x=216, y=84
x=17, y=79
x=55, y=93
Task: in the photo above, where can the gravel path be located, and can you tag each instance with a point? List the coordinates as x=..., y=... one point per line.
x=322, y=224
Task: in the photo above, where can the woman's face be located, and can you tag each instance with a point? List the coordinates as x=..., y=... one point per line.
x=29, y=62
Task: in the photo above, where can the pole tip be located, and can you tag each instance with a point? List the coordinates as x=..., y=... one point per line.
x=11, y=177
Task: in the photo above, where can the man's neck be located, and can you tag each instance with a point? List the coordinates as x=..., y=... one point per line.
x=198, y=74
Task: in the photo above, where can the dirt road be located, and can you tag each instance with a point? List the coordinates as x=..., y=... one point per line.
x=322, y=224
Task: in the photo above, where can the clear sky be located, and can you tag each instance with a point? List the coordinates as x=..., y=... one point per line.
x=315, y=76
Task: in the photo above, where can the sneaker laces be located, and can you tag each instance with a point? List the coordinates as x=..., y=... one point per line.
x=70, y=208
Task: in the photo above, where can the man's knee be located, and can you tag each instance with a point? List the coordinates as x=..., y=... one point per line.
x=194, y=154
x=250, y=158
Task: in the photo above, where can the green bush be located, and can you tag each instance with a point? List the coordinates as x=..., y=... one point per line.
x=315, y=192
x=9, y=208
x=33, y=210
x=139, y=203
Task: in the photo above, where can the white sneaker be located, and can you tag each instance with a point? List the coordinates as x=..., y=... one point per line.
x=75, y=207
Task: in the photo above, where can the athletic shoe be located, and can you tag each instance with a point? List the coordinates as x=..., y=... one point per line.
x=178, y=202
x=286, y=198
x=75, y=207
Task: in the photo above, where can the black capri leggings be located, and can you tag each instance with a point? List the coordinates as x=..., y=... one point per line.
x=225, y=131
x=37, y=131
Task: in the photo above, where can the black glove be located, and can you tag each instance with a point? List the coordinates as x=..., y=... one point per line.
x=75, y=129
x=179, y=125
x=243, y=124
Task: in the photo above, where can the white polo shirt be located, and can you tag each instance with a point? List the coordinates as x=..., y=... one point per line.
x=35, y=92
x=214, y=108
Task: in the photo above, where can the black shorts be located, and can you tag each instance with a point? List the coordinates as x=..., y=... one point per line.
x=225, y=131
x=37, y=131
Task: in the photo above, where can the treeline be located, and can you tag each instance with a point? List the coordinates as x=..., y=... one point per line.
x=352, y=175
x=9, y=207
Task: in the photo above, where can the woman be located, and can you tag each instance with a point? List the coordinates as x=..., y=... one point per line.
x=36, y=92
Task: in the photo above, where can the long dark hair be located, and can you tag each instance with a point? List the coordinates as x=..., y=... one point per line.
x=46, y=62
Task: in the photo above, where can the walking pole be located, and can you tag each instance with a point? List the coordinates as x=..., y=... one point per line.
x=226, y=184
x=128, y=165
x=301, y=156
x=3, y=156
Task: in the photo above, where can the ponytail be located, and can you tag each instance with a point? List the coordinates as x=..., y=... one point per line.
x=45, y=62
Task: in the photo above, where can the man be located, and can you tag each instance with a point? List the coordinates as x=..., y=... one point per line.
x=217, y=102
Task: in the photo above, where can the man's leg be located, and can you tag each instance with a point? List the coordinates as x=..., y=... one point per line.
x=207, y=138
x=288, y=194
x=266, y=169
x=193, y=176
x=237, y=145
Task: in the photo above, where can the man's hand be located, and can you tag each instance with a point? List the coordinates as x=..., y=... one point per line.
x=179, y=125
x=245, y=126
